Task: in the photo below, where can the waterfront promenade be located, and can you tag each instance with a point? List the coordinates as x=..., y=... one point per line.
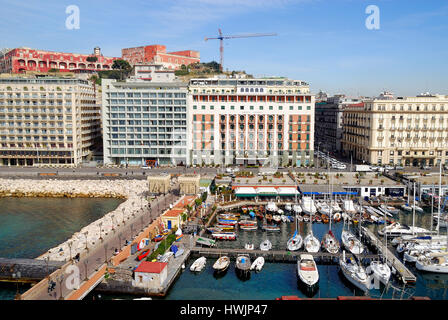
x=92, y=261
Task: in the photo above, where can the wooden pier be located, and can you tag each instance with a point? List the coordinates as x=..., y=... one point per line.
x=406, y=276
x=272, y=255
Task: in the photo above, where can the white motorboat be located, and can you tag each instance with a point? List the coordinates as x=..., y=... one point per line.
x=354, y=272
x=396, y=229
x=324, y=208
x=297, y=209
x=284, y=218
x=299, y=218
x=348, y=206
x=335, y=207
x=242, y=266
x=295, y=242
x=271, y=207
x=198, y=264
x=280, y=211
x=266, y=245
x=249, y=246
x=257, y=265
x=288, y=207
x=351, y=243
x=277, y=218
x=380, y=271
x=307, y=272
x=311, y=243
x=308, y=206
x=222, y=264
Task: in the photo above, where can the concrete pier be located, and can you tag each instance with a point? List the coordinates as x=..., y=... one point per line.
x=26, y=270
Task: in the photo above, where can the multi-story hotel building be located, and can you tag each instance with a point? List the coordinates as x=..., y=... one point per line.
x=47, y=121
x=244, y=121
x=20, y=60
x=144, y=122
x=157, y=54
x=328, y=130
x=407, y=131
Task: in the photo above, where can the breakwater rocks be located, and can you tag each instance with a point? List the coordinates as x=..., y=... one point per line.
x=134, y=191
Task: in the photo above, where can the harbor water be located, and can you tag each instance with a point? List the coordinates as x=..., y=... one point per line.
x=279, y=279
x=31, y=226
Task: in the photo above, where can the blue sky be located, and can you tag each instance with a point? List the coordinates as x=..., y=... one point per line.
x=324, y=42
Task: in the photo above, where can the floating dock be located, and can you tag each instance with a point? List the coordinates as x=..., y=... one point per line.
x=406, y=276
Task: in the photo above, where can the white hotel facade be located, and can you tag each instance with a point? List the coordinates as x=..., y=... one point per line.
x=250, y=121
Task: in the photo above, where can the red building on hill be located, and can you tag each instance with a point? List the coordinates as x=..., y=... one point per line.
x=157, y=54
x=20, y=60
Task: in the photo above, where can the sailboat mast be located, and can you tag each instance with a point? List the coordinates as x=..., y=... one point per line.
x=440, y=198
x=432, y=207
x=413, y=214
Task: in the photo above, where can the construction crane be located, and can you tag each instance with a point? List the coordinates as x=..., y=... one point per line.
x=221, y=37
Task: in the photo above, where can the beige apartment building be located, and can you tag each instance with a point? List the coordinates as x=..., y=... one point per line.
x=47, y=121
x=409, y=131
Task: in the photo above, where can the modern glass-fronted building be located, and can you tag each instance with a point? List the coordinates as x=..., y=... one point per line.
x=144, y=123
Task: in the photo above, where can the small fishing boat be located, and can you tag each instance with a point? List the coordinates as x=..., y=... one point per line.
x=277, y=218
x=166, y=256
x=267, y=227
x=308, y=273
x=244, y=209
x=249, y=228
x=179, y=234
x=409, y=208
x=143, y=255
x=242, y=266
x=214, y=229
x=299, y=218
x=247, y=223
x=227, y=222
x=165, y=232
x=257, y=265
x=157, y=238
x=224, y=235
x=179, y=252
x=268, y=217
x=227, y=216
x=266, y=245
x=198, y=264
x=295, y=242
x=290, y=218
x=225, y=227
x=325, y=218
x=308, y=205
x=284, y=218
x=306, y=218
x=288, y=207
x=317, y=218
x=259, y=215
x=249, y=246
x=252, y=214
x=222, y=264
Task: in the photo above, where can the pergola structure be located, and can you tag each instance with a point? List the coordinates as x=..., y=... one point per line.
x=159, y=183
x=189, y=183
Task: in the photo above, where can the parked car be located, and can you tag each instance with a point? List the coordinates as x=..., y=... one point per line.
x=145, y=167
x=388, y=167
x=398, y=167
x=425, y=167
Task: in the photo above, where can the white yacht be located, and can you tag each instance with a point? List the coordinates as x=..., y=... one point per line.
x=295, y=242
x=396, y=229
x=351, y=243
x=266, y=245
x=307, y=272
x=348, y=206
x=308, y=206
x=433, y=263
x=297, y=209
x=271, y=207
x=257, y=265
x=311, y=243
x=381, y=271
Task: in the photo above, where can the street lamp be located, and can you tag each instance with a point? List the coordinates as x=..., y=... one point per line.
x=86, y=261
x=70, y=244
x=99, y=225
x=113, y=222
x=60, y=278
x=105, y=252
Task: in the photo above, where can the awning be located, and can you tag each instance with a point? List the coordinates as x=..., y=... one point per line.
x=267, y=191
x=287, y=191
x=245, y=192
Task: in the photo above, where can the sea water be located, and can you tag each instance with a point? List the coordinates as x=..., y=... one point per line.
x=31, y=226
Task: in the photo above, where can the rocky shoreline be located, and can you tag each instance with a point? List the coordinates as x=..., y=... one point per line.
x=134, y=191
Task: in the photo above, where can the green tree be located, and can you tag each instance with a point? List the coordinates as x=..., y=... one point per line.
x=123, y=66
x=92, y=59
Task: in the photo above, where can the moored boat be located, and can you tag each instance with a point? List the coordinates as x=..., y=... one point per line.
x=266, y=245
x=224, y=235
x=354, y=272
x=308, y=273
x=267, y=227
x=242, y=266
x=257, y=265
x=295, y=242
x=222, y=264
x=198, y=264
x=249, y=228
